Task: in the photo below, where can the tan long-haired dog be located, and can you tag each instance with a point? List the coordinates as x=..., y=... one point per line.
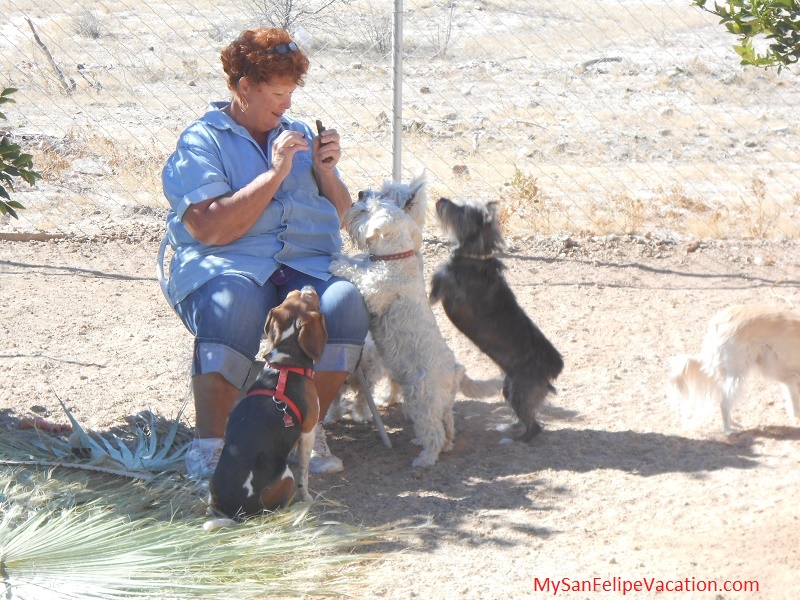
x=740, y=340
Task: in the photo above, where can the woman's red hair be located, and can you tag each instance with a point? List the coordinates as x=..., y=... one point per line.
x=246, y=57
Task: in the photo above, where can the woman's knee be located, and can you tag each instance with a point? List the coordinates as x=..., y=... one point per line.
x=229, y=309
x=346, y=313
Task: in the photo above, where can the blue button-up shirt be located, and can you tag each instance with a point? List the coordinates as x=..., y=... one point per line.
x=216, y=156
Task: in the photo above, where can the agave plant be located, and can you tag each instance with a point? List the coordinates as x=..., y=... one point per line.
x=148, y=454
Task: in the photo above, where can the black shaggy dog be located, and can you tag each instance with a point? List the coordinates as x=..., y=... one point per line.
x=479, y=301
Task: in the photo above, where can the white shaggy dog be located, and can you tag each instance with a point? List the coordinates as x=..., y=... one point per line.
x=388, y=224
x=740, y=339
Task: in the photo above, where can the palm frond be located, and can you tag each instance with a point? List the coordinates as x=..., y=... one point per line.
x=85, y=532
x=65, y=538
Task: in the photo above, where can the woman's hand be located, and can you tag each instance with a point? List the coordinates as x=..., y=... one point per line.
x=225, y=219
x=284, y=148
x=326, y=151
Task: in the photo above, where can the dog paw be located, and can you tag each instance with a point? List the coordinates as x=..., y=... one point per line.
x=529, y=433
x=215, y=524
x=343, y=265
x=424, y=460
x=504, y=427
x=393, y=399
x=733, y=428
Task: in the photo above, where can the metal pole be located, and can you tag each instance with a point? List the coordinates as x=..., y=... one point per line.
x=397, y=81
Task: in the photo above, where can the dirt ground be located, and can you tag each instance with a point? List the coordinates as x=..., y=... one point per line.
x=614, y=491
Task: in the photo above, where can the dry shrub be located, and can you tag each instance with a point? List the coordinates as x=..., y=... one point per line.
x=675, y=209
x=522, y=192
x=521, y=200
x=677, y=198
x=760, y=214
x=88, y=24
x=56, y=155
x=621, y=213
x=631, y=211
x=525, y=209
x=713, y=225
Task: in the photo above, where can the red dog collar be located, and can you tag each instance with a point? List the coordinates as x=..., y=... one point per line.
x=397, y=256
x=279, y=394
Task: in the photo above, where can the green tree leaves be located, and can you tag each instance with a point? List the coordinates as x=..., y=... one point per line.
x=777, y=21
x=13, y=164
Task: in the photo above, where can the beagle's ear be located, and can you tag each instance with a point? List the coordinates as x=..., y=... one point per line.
x=279, y=493
x=276, y=325
x=313, y=334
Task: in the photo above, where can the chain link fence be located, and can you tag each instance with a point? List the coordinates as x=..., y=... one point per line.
x=627, y=116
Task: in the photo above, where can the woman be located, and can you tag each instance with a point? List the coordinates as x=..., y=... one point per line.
x=257, y=207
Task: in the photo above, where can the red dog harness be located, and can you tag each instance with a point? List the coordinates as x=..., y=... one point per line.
x=282, y=401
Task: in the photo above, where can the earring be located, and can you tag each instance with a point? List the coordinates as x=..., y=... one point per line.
x=243, y=104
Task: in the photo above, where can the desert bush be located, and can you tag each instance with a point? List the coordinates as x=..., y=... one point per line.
x=444, y=30
x=522, y=192
x=760, y=216
x=87, y=24
x=376, y=29
x=286, y=13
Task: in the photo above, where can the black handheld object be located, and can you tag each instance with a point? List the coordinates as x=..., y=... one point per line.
x=320, y=129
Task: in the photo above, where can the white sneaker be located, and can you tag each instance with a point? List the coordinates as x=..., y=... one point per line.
x=322, y=461
x=202, y=457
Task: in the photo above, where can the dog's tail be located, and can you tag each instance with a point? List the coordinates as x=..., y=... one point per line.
x=693, y=392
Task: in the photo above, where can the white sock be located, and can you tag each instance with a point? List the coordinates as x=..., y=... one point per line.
x=207, y=444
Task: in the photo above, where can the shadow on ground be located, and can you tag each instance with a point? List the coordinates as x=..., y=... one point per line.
x=486, y=480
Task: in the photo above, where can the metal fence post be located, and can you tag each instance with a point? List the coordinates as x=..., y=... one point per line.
x=397, y=81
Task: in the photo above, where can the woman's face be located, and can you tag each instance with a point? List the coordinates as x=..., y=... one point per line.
x=266, y=103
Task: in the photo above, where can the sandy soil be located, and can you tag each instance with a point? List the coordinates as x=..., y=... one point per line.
x=614, y=488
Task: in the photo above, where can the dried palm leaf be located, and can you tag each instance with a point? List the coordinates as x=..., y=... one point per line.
x=85, y=532
x=137, y=539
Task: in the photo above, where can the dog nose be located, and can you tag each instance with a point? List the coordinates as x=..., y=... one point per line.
x=308, y=293
x=361, y=195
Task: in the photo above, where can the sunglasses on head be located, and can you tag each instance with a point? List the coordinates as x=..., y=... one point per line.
x=282, y=49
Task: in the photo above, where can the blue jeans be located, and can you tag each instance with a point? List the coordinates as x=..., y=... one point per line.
x=227, y=316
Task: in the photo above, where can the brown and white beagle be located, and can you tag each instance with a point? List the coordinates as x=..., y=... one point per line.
x=279, y=411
